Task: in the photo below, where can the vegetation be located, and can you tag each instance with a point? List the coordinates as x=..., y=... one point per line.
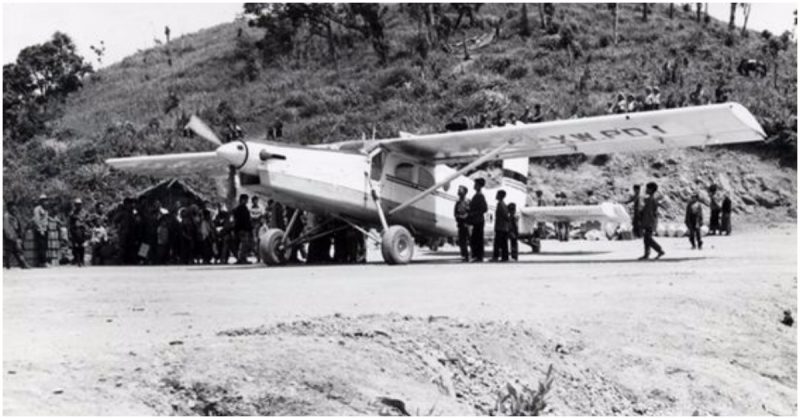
x=525, y=401
x=337, y=72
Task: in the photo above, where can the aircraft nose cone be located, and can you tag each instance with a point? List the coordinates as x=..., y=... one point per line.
x=234, y=153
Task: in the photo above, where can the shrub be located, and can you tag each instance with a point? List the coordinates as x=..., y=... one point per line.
x=604, y=41
x=517, y=72
x=499, y=65
x=395, y=77
x=525, y=401
x=467, y=85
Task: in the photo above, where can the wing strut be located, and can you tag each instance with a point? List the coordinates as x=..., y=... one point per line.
x=491, y=155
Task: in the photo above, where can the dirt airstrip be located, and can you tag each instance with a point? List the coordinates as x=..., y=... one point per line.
x=696, y=333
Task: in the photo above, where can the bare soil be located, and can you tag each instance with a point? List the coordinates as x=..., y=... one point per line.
x=696, y=333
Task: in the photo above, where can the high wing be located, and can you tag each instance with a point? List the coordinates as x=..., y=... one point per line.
x=641, y=131
x=173, y=165
x=606, y=211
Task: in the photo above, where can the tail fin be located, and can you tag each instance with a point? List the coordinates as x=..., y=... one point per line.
x=515, y=180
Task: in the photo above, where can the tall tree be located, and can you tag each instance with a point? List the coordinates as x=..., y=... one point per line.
x=645, y=11
x=614, y=7
x=42, y=76
x=524, y=25
x=732, y=21
x=671, y=10
x=746, y=10
x=699, y=11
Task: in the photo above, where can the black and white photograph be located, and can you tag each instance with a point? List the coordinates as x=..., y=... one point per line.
x=399, y=209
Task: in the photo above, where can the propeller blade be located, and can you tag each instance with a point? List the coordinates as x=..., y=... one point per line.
x=200, y=128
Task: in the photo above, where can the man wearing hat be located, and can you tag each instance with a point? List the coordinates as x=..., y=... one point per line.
x=461, y=214
x=77, y=232
x=40, y=220
x=477, y=208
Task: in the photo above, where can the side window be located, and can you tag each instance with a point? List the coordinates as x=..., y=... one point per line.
x=376, y=168
x=405, y=171
x=425, y=178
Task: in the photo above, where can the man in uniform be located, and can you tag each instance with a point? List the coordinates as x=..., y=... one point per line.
x=78, y=232
x=636, y=212
x=12, y=238
x=650, y=221
x=477, y=207
x=694, y=221
x=461, y=214
x=40, y=220
x=243, y=228
x=500, y=249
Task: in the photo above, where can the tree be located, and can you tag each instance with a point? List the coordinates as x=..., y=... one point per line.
x=524, y=25
x=614, y=7
x=746, y=10
x=99, y=51
x=42, y=76
x=645, y=11
x=732, y=21
x=671, y=10
x=699, y=11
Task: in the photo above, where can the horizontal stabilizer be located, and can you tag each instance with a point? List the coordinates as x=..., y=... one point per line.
x=607, y=211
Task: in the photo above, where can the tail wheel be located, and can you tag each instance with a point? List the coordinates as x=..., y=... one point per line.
x=270, y=248
x=397, y=245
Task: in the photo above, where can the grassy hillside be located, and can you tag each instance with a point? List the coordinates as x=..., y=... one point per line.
x=121, y=110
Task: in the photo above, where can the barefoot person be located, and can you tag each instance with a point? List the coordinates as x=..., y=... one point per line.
x=650, y=221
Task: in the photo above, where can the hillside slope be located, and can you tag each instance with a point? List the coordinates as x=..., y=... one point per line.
x=122, y=110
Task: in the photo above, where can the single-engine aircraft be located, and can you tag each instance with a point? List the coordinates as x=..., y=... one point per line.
x=404, y=185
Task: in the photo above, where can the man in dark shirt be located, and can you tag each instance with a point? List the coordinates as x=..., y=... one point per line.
x=461, y=214
x=513, y=230
x=636, y=212
x=12, y=238
x=650, y=221
x=713, y=222
x=477, y=207
x=78, y=232
x=501, y=221
x=243, y=229
x=694, y=221
x=725, y=221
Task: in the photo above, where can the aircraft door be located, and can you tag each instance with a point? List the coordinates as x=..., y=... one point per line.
x=374, y=175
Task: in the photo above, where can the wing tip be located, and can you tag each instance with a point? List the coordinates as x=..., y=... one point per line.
x=747, y=118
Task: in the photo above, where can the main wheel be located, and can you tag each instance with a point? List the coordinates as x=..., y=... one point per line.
x=270, y=248
x=397, y=245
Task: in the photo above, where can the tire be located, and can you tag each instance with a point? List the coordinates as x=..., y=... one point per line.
x=270, y=247
x=397, y=245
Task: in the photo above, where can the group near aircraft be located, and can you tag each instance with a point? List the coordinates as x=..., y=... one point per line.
x=399, y=186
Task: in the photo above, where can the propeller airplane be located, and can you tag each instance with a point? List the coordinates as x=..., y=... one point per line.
x=407, y=185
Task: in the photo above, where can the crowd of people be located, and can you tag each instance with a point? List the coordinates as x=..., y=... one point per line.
x=651, y=100
x=146, y=232
x=644, y=211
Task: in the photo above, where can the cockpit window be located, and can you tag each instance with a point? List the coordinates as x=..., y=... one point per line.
x=405, y=171
x=425, y=178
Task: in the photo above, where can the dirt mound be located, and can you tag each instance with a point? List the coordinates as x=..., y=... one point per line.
x=343, y=365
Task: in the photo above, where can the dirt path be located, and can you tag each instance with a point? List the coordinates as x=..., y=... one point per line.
x=698, y=332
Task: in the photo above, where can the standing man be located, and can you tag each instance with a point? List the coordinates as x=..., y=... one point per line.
x=694, y=221
x=461, y=214
x=713, y=222
x=12, y=238
x=501, y=221
x=477, y=207
x=636, y=200
x=257, y=218
x=40, y=220
x=726, y=215
x=650, y=221
x=243, y=229
x=78, y=232
x=513, y=230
